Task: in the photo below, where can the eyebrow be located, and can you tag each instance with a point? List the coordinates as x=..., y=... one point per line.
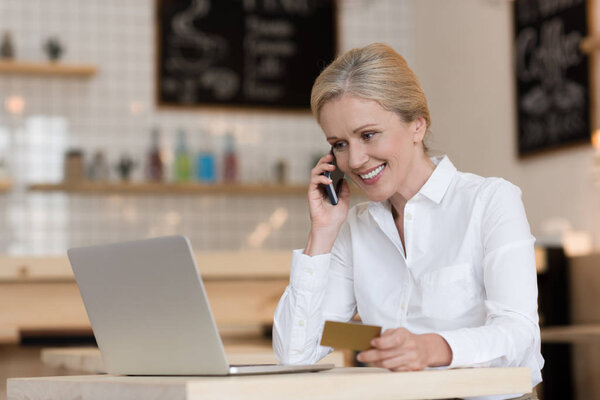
x=354, y=131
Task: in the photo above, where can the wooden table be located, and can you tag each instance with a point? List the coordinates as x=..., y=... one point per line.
x=584, y=333
x=339, y=383
x=585, y=355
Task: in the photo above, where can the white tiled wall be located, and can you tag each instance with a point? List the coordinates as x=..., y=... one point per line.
x=114, y=112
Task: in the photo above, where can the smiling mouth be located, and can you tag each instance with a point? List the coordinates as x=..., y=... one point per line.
x=373, y=173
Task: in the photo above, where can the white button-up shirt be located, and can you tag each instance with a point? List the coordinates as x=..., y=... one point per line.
x=467, y=273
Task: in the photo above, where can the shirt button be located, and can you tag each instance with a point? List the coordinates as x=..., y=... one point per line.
x=403, y=306
x=301, y=322
x=309, y=271
x=408, y=216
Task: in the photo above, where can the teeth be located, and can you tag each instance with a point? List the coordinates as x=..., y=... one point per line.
x=373, y=173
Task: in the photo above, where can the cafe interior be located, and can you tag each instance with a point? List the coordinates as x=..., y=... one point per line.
x=131, y=119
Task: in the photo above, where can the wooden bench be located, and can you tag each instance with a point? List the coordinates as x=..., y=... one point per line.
x=39, y=296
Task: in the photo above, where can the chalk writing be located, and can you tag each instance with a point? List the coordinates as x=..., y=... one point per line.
x=552, y=81
x=243, y=52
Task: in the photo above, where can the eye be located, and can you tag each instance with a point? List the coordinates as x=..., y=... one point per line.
x=339, y=146
x=368, y=136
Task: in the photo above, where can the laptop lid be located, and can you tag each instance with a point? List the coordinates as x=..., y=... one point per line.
x=148, y=308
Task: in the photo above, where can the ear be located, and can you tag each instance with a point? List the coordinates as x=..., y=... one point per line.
x=419, y=128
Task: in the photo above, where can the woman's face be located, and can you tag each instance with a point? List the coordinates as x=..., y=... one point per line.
x=372, y=146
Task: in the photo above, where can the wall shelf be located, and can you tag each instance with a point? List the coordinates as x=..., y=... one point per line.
x=590, y=44
x=46, y=68
x=133, y=188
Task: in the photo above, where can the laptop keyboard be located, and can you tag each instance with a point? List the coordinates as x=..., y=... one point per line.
x=250, y=365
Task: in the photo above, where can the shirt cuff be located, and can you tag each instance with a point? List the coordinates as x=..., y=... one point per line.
x=309, y=273
x=461, y=348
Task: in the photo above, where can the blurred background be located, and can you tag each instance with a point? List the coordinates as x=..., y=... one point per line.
x=108, y=132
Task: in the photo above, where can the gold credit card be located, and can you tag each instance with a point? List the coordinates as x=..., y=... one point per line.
x=347, y=335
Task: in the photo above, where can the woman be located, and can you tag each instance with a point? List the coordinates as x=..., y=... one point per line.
x=442, y=260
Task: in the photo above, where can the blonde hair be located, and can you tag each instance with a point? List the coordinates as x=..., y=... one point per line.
x=374, y=72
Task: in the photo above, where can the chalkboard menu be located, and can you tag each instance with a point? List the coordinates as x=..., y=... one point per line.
x=250, y=53
x=553, y=95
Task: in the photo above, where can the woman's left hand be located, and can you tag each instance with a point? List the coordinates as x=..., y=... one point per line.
x=400, y=350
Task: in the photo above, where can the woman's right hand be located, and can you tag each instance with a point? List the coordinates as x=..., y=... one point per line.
x=325, y=218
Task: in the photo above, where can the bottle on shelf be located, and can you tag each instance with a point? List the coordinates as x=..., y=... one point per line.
x=74, y=170
x=98, y=170
x=155, y=166
x=4, y=174
x=230, y=162
x=7, y=48
x=281, y=171
x=205, y=160
x=183, y=165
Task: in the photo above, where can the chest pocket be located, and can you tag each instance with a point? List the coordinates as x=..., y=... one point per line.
x=448, y=292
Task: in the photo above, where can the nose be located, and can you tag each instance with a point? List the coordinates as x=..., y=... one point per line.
x=357, y=157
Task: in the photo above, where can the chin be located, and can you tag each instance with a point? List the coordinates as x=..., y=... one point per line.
x=378, y=199
x=376, y=196
x=373, y=194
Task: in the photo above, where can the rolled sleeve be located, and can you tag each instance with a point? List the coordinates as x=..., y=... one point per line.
x=461, y=344
x=309, y=273
x=320, y=288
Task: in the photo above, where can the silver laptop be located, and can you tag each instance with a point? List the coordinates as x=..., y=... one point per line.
x=150, y=313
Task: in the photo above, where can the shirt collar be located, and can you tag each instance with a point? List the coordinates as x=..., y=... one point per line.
x=436, y=186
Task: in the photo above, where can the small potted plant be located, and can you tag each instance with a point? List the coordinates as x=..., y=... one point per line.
x=53, y=48
x=125, y=167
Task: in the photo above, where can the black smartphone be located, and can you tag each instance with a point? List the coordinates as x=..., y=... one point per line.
x=337, y=176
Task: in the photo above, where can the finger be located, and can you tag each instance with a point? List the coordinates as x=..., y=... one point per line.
x=375, y=355
x=326, y=159
x=376, y=341
x=388, y=340
x=402, y=362
x=321, y=168
x=409, y=365
x=316, y=191
x=315, y=188
x=367, y=356
x=320, y=180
